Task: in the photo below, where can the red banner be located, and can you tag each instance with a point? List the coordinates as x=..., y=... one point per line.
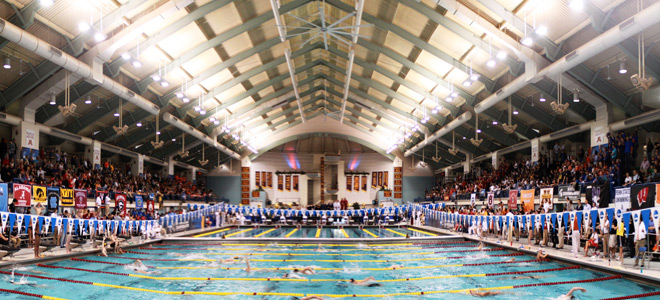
x=513, y=200
x=22, y=195
x=80, y=197
x=150, y=206
x=120, y=204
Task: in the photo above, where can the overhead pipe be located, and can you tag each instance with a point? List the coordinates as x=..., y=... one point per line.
x=15, y=121
x=610, y=38
x=169, y=118
x=444, y=130
x=31, y=43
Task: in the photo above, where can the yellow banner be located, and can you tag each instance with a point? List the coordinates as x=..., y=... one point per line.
x=66, y=197
x=527, y=199
x=39, y=194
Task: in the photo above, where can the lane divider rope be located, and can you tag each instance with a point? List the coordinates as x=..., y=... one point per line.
x=30, y=294
x=291, y=233
x=214, y=232
x=261, y=234
x=370, y=233
x=319, y=253
x=263, y=244
x=420, y=231
x=634, y=296
x=239, y=232
x=302, y=295
x=300, y=249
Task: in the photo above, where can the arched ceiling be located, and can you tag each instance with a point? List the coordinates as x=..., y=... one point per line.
x=406, y=59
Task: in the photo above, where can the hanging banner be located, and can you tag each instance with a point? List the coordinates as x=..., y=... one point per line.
x=657, y=195
x=139, y=202
x=120, y=204
x=280, y=183
x=546, y=196
x=257, y=179
x=365, y=178
x=4, y=196
x=374, y=179
x=491, y=199
x=53, y=198
x=150, y=206
x=295, y=183
x=535, y=150
x=263, y=179
x=356, y=183
x=385, y=179
x=527, y=200
x=568, y=191
x=22, y=195
x=473, y=199
x=80, y=197
x=592, y=194
x=269, y=180
x=39, y=194
x=287, y=183
x=642, y=196
x=380, y=179
x=622, y=199
x=349, y=183
x=66, y=197
x=513, y=200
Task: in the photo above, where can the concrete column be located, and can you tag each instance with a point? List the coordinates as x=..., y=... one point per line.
x=495, y=160
x=466, y=163
x=26, y=137
x=137, y=165
x=170, y=166
x=93, y=154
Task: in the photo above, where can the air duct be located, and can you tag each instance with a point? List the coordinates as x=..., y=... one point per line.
x=169, y=118
x=444, y=130
x=626, y=29
x=40, y=47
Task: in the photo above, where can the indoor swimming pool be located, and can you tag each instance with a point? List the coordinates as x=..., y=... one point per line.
x=446, y=269
x=316, y=232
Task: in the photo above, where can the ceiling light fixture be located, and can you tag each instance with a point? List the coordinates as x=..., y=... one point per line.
x=542, y=99
x=491, y=63
x=515, y=112
x=116, y=114
x=88, y=101
x=7, y=64
x=126, y=56
x=83, y=26
x=52, y=99
x=185, y=99
x=576, y=5
x=99, y=37
x=47, y=2
x=156, y=77
x=501, y=55
x=136, y=63
x=542, y=30
x=527, y=41
x=576, y=96
x=164, y=83
x=138, y=124
x=622, y=68
x=494, y=122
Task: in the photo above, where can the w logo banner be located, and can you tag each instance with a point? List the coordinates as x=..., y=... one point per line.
x=642, y=196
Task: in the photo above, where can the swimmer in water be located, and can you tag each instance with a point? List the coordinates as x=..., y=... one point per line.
x=292, y=276
x=30, y=284
x=541, y=255
x=480, y=246
x=230, y=260
x=247, y=263
x=368, y=282
x=308, y=298
x=396, y=266
x=511, y=259
x=484, y=294
x=528, y=277
x=569, y=295
x=305, y=270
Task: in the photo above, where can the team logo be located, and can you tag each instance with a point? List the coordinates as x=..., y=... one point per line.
x=642, y=195
x=120, y=205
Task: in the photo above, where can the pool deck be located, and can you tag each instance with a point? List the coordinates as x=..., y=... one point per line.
x=650, y=273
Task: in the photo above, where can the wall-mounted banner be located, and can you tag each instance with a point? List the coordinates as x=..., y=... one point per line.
x=657, y=194
x=53, y=198
x=513, y=200
x=80, y=197
x=356, y=183
x=374, y=179
x=263, y=179
x=386, y=179
x=568, y=191
x=596, y=192
x=473, y=199
x=295, y=182
x=365, y=178
x=4, y=196
x=257, y=179
x=150, y=206
x=546, y=195
x=120, y=204
x=527, y=200
x=269, y=180
x=39, y=194
x=22, y=195
x=622, y=199
x=349, y=183
x=491, y=199
x=535, y=150
x=139, y=202
x=66, y=197
x=280, y=183
x=287, y=183
x=380, y=179
x=642, y=196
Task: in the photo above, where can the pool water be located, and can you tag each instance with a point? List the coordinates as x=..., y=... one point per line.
x=314, y=232
x=423, y=266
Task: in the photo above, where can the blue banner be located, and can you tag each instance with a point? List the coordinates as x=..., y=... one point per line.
x=4, y=191
x=139, y=202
